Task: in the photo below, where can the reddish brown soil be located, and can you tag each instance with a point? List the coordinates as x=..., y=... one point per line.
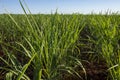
x=2, y=72
x=1, y=54
x=94, y=71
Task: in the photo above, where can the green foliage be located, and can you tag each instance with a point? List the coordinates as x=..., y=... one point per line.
x=40, y=45
x=47, y=46
x=105, y=32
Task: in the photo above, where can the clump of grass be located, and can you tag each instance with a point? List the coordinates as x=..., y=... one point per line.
x=44, y=47
x=105, y=32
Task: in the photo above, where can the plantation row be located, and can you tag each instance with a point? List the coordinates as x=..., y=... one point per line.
x=59, y=47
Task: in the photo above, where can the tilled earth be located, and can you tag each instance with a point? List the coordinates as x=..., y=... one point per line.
x=94, y=71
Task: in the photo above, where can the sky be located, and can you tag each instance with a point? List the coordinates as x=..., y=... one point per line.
x=62, y=6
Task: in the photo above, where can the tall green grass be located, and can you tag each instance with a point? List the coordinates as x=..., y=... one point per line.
x=41, y=48
x=44, y=46
x=105, y=32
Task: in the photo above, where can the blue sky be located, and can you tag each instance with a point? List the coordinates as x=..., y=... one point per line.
x=63, y=6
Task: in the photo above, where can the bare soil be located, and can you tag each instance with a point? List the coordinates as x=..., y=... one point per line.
x=94, y=71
